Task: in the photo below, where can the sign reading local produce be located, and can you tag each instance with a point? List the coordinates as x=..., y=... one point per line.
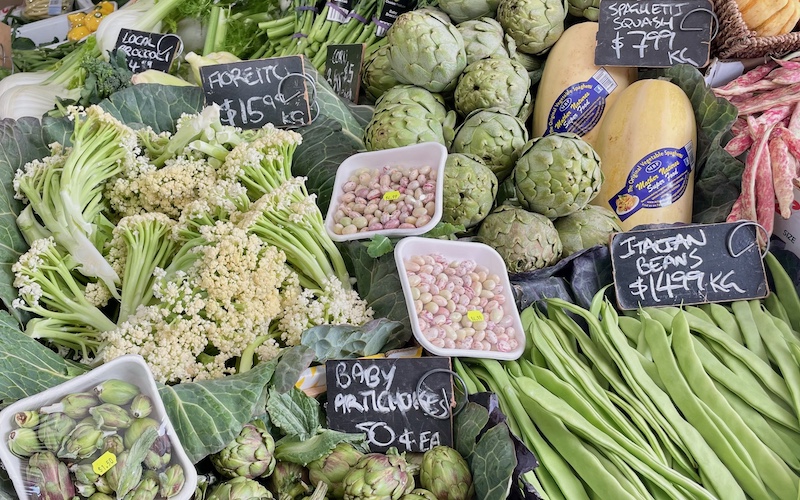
x=343, y=69
x=654, y=34
x=403, y=403
x=144, y=50
x=692, y=264
x=251, y=94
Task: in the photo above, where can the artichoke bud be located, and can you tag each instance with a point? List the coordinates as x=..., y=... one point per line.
x=171, y=481
x=114, y=474
x=115, y=391
x=289, y=480
x=112, y=443
x=420, y=494
x=28, y=419
x=239, y=487
x=110, y=416
x=51, y=476
x=101, y=496
x=137, y=428
x=85, y=490
x=332, y=468
x=446, y=474
x=82, y=442
x=75, y=405
x=141, y=406
x=102, y=486
x=53, y=429
x=159, y=454
x=84, y=473
x=147, y=489
x=23, y=442
x=250, y=454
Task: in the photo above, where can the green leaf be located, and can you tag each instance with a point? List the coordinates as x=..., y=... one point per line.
x=348, y=341
x=26, y=366
x=290, y=365
x=295, y=413
x=293, y=449
x=208, y=414
x=445, y=230
x=470, y=421
x=153, y=104
x=717, y=173
x=379, y=245
x=493, y=463
x=378, y=282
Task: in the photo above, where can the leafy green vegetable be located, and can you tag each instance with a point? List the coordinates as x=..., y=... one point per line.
x=291, y=364
x=295, y=413
x=492, y=464
x=469, y=424
x=348, y=341
x=156, y=105
x=26, y=366
x=379, y=245
x=293, y=449
x=717, y=173
x=208, y=414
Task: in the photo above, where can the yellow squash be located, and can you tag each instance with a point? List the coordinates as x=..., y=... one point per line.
x=770, y=17
x=646, y=145
x=567, y=99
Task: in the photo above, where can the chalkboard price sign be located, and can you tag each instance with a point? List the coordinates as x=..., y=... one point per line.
x=401, y=402
x=343, y=69
x=692, y=264
x=251, y=94
x=144, y=50
x=654, y=33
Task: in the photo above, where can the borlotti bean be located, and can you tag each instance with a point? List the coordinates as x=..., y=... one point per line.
x=460, y=304
x=387, y=198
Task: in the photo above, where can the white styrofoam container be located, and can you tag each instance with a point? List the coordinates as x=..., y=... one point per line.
x=430, y=154
x=480, y=253
x=131, y=368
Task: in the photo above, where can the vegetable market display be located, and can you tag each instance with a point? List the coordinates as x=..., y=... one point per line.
x=137, y=222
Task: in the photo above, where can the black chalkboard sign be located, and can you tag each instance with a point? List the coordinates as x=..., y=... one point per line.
x=397, y=402
x=692, y=264
x=390, y=11
x=654, y=33
x=343, y=69
x=144, y=50
x=253, y=93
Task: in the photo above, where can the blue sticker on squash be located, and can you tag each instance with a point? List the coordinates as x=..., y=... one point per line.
x=657, y=180
x=578, y=109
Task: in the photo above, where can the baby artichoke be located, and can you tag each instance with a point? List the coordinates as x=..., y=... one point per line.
x=250, y=454
x=378, y=477
x=332, y=468
x=238, y=488
x=445, y=473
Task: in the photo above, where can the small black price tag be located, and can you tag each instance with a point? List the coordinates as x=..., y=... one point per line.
x=253, y=93
x=654, y=34
x=144, y=50
x=343, y=69
x=390, y=11
x=693, y=264
x=399, y=402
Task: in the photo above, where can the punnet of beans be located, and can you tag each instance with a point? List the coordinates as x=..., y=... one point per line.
x=386, y=198
x=460, y=304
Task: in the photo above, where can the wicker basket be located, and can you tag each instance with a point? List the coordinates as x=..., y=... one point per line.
x=736, y=41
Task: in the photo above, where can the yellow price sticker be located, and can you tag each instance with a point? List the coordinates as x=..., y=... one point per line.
x=474, y=316
x=105, y=462
x=391, y=195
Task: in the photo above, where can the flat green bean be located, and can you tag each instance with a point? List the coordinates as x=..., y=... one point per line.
x=747, y=325
x=657, y=439
x=784, y=289
x=631, y=327
x=725, y=320
x=626, y=477
x=458, y=367
x=775, y=307
x=779, y=350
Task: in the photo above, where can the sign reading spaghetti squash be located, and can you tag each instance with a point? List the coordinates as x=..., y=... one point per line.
x=654, y=33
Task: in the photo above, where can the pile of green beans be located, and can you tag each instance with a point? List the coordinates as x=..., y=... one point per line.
x=694, y=402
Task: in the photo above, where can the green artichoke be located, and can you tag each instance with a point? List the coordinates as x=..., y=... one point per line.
x=46, y=472
x=557, y=175
x=590, y=9
x=469, y=190
x=484, y=38
x=467, y=10
x=251, y=454
x=494, y=135
x=419, y=494
x=147, y=489
x=535, y=25
x=445, y=473
x=496, y=82
x=525, y=240
x=23, y=442
x=405, y=115
x=239, y=488
x=332, y=468
x=590, y=226
x=378, y=477
x=376, y=76
x=425, y=49
x=289, y=480
x=53, y=429
x=534, y=65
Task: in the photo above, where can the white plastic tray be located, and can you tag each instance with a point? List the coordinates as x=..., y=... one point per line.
x=482, y=254
x=131, y=368
x=430, y=154
x=56, y=27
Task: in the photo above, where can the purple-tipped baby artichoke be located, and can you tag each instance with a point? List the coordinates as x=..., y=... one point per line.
x=445, y=473
x=118, y=392
x=289, y=480
x=82, y=442
x=75, y=405
x=137, y=428
x=147, y=489
x=85, y=490
x=332, y=468
x=29, y=419
x=23, y=442
x=160, y=454
x=250, y=454
x=51, y=476
x=171, y=481
x=110, y=416
x=419, y=494
x=378, y=477
x=84, y=473
x=101, y=496
x=53, y=429
x=141, y=406
x=237, y=488
x=112, y=443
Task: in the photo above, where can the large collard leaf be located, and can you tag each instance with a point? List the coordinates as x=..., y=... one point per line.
x=156, y=105
x=349, y=341
x=295, y=413
x=21, y=141
x=352, y=117
x=292, y=363
x=493, y=464
x=208, y=414
x=378, y=282
x=717, y=174
x=26, y=366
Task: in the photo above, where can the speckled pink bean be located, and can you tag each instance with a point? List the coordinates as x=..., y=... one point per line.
x=406, y=225
x=503, y=346
x=391, y=224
